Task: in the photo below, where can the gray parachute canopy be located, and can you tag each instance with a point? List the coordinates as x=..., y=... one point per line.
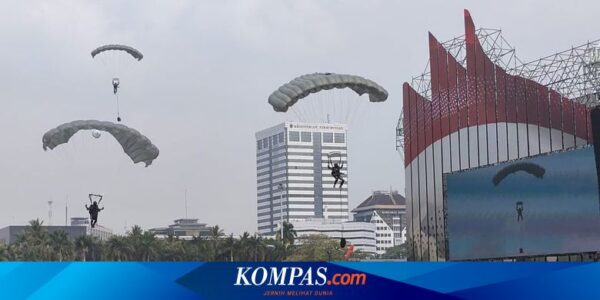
x=288, y=94
x=138, y=147
x=134, y=52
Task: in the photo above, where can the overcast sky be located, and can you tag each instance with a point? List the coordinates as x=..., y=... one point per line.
x=200, y=93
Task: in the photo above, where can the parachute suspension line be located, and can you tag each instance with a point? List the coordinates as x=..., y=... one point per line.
x=104, y=62
x=348, y=115
x=322, y=110
x=347, y=104
x=310, y=111
x=332, y=102
x=293, y=111
x=352, y=111
x=360, y=107
x=342, y=220
x=326, y=106
x=118, y=59
x=118, y=110
x=341, y=106
x=296, y=113
x=315, y=112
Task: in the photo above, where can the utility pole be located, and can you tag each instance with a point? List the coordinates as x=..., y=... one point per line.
x=50, y=213
x=67, y=210
x=186, y=206
x=281, y=190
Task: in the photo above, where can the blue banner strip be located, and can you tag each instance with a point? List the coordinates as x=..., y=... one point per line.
x=336, y=280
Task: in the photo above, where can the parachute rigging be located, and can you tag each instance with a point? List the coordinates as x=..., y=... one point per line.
x=110, y=55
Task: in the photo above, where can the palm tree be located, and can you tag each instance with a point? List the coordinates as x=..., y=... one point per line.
x=215, y=237
x=256, y=247
x=171, y=249
x=136, y=231
x=147, y=247
x=289, y=234
x=61, y=245
x=243, y=245
x=118, y=248
x=200, y=249
x=83, y=245
x=33, y=244
x=229, y=247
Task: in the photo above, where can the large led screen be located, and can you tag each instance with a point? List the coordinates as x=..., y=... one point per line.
x=544, y=205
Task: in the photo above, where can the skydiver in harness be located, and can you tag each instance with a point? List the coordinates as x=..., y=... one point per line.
x=336, y=172
x=93, y=209
x=519, y=211
x=115, y=83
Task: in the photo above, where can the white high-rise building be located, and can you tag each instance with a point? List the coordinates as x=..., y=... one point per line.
x=291, y=168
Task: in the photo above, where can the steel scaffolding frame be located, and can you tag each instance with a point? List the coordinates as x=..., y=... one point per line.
x=573, y=73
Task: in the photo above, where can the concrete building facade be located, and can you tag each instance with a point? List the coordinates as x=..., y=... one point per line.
x=293, y=179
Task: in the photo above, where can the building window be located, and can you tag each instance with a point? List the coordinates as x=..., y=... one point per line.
x=259, y=145
x=294, y=136
x=339, y=138
x=281, y=139
x=327, y=137
x=266, y=143
x=305, y=137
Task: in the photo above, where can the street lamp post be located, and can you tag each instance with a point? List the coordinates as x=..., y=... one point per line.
x=281, y=190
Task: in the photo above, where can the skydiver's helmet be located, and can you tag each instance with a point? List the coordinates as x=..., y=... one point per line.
x=342, y=243
x=95, y=203
x=336, y=165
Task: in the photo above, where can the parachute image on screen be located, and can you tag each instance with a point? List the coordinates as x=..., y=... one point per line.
x=545, y=205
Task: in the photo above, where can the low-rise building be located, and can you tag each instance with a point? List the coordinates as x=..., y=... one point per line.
x=79, y=227
x=183, y=229
x=387, y=211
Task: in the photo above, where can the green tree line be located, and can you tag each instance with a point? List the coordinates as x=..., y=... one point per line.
x=37, y=244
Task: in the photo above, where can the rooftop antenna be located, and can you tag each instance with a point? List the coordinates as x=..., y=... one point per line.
x=328, y=121
x=186, y=207
x=50, y=212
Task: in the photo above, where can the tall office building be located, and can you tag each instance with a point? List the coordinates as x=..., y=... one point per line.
x=291, y=169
